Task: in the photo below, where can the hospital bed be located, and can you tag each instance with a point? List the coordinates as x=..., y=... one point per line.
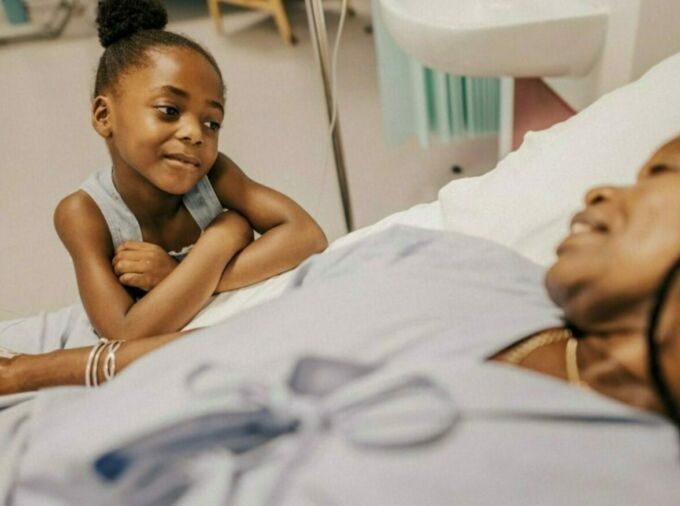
x=525, y=204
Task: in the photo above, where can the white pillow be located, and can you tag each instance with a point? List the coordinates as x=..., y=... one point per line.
x=526, y=202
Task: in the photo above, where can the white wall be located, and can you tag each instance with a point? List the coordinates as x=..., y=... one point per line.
x=658, y=34
x=640, y=33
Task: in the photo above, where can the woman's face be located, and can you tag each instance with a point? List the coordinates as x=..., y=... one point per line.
x=165, y=118
x=619, y=248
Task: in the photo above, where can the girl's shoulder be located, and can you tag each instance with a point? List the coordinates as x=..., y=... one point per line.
x=78, y=206
x=219, y=173
x=231, y=185
x=79, y=222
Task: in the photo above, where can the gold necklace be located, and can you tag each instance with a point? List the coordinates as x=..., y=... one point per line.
x=571, y=363
x=519, y=353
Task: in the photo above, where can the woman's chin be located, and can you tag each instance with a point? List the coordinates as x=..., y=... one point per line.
x=553, y=284
x=566, y=285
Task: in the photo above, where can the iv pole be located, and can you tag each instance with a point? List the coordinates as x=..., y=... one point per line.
x=317, y=29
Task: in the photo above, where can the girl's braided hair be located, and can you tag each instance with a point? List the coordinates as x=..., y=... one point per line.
x=127, y=30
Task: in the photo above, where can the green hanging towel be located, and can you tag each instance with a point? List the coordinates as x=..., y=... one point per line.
x=420, y=101
x=15, y=11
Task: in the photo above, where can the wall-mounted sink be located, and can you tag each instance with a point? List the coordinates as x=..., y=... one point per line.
x=514, y=38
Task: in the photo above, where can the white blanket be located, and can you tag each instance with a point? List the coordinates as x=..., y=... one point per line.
x=228, y=304
x=427, y=421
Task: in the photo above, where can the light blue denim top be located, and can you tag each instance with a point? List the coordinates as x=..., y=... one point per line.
x=201, y=202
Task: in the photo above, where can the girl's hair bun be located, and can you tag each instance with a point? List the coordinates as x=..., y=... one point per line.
x=118, y=19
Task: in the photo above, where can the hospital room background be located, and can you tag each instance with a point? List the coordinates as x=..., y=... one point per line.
x=407, y=129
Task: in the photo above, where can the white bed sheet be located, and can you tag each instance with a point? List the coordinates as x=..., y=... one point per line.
x=228, y=304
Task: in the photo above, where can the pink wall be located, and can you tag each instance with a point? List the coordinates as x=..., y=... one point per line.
x=536, y=107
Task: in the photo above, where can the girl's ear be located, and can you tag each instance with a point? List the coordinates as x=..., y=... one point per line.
x=101, y=116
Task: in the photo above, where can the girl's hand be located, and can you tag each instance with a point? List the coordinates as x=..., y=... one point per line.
x=172, y=303
x=142, y=265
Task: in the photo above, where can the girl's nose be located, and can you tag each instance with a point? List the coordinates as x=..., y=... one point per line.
x=191, y=131
x=600, y=194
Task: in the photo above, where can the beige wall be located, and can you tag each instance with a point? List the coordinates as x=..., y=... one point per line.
x=275, y=127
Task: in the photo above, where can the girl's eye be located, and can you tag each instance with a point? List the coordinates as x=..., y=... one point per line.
x=213, y=125
x=168, y=110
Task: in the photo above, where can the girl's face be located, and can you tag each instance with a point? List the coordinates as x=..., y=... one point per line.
x=164, y=119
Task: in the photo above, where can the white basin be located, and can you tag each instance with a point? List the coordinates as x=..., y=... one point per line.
x=514, y=38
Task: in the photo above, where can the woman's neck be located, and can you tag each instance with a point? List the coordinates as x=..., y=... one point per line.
x=611, y=363
x=615, y=364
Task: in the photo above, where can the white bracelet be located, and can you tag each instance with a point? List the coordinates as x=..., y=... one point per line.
x=110, y=360
x=93, y=362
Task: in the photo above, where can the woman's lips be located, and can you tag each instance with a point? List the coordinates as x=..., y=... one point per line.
x=585, y=230
x=586, y=223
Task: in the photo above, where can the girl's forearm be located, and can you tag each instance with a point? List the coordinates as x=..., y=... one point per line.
x=183, y=293
x=67, y=367
x=278, y=250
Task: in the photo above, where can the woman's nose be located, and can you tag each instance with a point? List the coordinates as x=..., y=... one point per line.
x=600, y=194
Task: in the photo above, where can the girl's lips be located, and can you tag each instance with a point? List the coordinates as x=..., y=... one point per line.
x=174, y=162
x=185, y=159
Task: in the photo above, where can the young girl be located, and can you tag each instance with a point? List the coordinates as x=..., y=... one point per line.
x=171, y=221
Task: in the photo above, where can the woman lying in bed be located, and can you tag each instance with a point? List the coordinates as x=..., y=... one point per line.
x=621, y=249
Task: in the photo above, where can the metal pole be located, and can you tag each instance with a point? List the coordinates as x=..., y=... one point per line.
x=317, y=29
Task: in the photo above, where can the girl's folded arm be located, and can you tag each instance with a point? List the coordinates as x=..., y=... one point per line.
x=289, y=233
x=170, y=305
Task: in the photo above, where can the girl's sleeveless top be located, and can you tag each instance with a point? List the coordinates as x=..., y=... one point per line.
x=201, y=202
